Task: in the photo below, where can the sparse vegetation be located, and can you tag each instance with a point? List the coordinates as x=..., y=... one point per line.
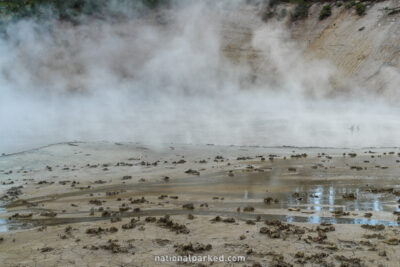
x=268, y=15
x=326, y=11
x=273, y=3
x=74, y=9
x=68, y=10
x=392, y=11
x=350, y=4
x=301, y=10
x=360, y=8
x=302, y=6
x=282, y=14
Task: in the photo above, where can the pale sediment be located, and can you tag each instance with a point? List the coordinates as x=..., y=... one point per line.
x=105, y=204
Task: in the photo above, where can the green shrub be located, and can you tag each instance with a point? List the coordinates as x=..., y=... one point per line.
x=71, y=10
x=273, y=3
x=269, y=14
x=282, y=13
x=152, y=3
x=326, y=11
x=360, y=8
x=350, y=4
x=300, y=11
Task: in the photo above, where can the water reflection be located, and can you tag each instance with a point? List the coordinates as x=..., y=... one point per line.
x=315, y=220
x=312, y=194
x=3, y=223
x=319, y=196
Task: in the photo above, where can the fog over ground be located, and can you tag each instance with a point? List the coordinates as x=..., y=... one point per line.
x=162, y=78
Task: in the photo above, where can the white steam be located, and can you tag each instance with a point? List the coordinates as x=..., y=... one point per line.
x=167, y=78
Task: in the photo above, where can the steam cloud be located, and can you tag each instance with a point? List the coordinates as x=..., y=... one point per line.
x=167, y=78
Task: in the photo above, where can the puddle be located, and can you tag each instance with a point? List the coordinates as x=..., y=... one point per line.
x=3, y=223
x=313, y=195
x=7, y=225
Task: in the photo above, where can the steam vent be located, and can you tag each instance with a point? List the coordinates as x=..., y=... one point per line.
x=250, y=133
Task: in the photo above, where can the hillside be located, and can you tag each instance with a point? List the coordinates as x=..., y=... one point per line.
x=362, y=46
x=364, y=50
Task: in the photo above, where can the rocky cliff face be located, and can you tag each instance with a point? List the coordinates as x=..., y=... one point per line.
x=363, y=51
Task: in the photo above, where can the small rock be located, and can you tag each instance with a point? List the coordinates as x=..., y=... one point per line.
x=248, y=209
x=188, y=206
x=46, y=249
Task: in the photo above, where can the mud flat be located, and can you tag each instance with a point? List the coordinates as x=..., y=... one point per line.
x=123, y=204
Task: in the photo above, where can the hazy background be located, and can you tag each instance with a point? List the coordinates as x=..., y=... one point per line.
x=164, y=77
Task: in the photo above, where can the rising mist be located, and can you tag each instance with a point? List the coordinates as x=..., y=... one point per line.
x=165, y=76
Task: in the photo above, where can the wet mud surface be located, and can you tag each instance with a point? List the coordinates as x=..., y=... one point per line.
x=230, y=198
